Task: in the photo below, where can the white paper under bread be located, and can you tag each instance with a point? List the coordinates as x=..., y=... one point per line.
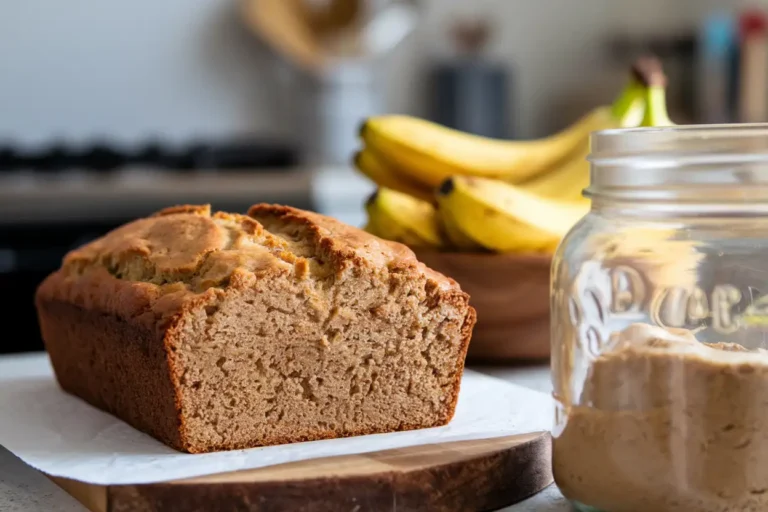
x=63, y=436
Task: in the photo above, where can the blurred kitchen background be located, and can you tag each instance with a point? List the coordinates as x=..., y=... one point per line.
x=111, y=110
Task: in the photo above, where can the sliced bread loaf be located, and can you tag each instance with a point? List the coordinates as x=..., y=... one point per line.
x=220, y=331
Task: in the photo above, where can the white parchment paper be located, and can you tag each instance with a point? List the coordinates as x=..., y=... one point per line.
x=63, y=436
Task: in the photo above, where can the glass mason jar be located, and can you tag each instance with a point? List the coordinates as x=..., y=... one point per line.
x=660, y=325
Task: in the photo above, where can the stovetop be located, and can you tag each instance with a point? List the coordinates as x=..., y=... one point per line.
x=106, y=156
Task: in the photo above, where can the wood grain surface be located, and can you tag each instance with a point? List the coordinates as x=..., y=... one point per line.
x=511, y=296
x=462, y=476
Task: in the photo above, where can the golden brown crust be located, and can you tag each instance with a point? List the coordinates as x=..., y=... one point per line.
x=154, y=267
x=346, y=244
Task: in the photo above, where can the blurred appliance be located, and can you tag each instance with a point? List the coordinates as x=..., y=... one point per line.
x=471, y=93
x=58, y=198
x=335, y=49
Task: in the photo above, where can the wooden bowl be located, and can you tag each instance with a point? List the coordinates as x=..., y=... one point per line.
x=511, y=296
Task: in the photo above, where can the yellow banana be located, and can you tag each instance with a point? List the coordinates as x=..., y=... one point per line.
x=380, y=225
x=566, y=181
x=403, y=218
x=504, y=218
x=368, y=163
x=431, y=153
x=457, y=238
x=656, y=111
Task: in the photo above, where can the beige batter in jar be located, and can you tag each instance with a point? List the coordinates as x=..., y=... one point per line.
x=668, y=424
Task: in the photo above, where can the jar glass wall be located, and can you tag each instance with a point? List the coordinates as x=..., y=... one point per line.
x=660, y=325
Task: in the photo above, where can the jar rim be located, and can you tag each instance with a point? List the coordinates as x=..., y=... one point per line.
x=681, y=145
x=678, y=165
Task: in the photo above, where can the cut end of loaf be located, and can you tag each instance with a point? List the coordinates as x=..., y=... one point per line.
x=282, y=364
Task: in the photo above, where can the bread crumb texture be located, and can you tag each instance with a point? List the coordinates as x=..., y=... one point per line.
x=223, y=331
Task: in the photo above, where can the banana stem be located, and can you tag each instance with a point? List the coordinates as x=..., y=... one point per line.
x=648, y=72
x=656, y=108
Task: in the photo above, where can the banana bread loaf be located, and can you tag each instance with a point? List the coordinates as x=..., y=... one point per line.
x=216, y=332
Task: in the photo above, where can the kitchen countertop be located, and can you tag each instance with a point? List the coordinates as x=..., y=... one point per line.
x=22, y=489
x=78, y=195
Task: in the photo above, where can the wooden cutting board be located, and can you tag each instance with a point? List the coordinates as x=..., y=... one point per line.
x=462, y=476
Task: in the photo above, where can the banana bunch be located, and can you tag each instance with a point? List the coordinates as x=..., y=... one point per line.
x=443, y=189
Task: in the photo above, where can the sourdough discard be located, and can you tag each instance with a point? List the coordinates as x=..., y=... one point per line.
x=668, y=424
x=214, y=332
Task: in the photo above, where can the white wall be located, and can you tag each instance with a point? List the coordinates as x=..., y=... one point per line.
x=84, y=68
x=182, y=68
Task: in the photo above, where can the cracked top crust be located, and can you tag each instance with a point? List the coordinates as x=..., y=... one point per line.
x=159, y=265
